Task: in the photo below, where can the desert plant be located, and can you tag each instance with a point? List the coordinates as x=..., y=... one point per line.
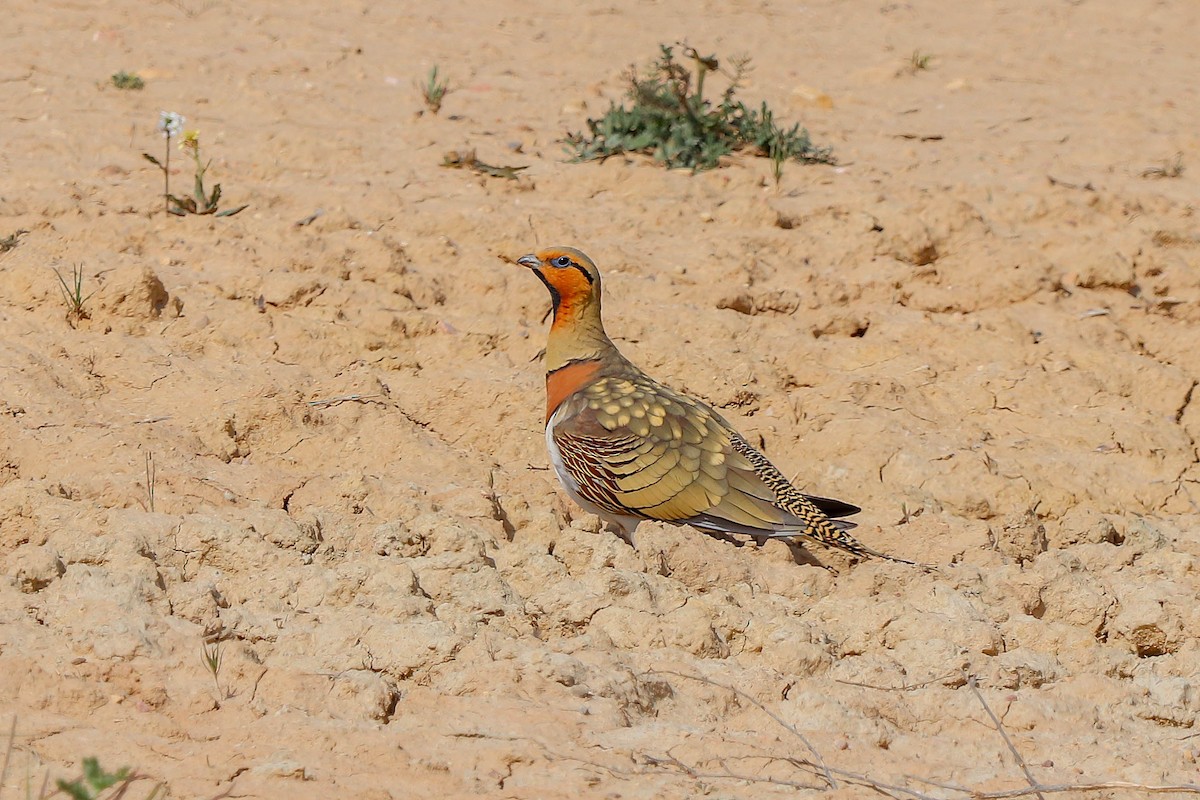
x=73, y=295
x=669, y=118
x=127, y=80
x=433, y=90
x=201, y=202
x=93, y=782
x=919, y=61
x=169, y=125
x=212, y=656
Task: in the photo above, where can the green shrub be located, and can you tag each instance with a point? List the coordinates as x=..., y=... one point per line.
x=669, y=118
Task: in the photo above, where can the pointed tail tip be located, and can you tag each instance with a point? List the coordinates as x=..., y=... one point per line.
x=866, y=551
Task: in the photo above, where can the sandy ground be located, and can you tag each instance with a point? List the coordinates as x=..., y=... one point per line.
x=981, y=326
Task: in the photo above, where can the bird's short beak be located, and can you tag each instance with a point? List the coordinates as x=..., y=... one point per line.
x=530, y=261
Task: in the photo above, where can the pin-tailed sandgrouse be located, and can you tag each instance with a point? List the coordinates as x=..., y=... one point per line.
x=629, y=449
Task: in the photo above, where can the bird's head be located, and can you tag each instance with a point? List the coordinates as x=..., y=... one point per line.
x=571, y=277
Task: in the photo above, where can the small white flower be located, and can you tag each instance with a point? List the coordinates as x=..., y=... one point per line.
x=170, y=123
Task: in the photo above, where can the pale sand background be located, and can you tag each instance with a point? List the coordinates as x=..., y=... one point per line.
x=942, y=335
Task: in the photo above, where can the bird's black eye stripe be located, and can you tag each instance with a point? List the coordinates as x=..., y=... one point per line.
x=563, y=262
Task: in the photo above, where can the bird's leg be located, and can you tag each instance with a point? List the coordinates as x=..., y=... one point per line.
x=618, y=527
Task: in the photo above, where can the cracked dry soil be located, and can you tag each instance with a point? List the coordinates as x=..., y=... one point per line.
x=981, y=327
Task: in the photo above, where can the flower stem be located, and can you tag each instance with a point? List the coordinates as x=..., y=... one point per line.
x=167, y=177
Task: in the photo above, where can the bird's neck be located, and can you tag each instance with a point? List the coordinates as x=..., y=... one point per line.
x=577, y=334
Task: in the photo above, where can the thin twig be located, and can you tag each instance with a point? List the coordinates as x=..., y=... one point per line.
x=310, y=218
x=151, y=474
x=908, y=687
x=1012, y=748
x=892, y=788
x=850, y=777
x=895, y=790
x=349, y=398
x=12, y=738
x=1024, y=791
x=728, y=775
x=820, y=762
x=1087, y=187
x=1059, y=788
x=167, y=175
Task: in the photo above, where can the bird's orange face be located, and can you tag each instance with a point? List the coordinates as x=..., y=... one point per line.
x=569, y=275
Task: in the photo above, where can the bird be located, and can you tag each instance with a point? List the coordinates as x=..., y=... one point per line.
x=629, y=449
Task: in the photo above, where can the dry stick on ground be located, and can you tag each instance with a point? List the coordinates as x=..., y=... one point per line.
x=151, y=475
x=1058, y=788
x=853, y=777
x=892, y=789
x=12, y=737
x=908, y=687
x=1087, y=187
x=820, y=762
x=348, y=398
x=1012, y=748
x=728, y=775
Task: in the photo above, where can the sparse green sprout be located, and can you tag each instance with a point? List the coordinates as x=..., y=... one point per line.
x=201, y=202
x=94, y=781
x=919, y=61
x=777, y=156
x=433, y=90
x=1171, y=168
x=73, y=294
x=669, y=118
x=212, y=656
x=128, y=80
x=10, y=242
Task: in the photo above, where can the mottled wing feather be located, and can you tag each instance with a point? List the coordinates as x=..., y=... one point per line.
x=637, y=449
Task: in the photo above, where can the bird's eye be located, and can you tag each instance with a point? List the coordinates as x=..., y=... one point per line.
x=562, y=261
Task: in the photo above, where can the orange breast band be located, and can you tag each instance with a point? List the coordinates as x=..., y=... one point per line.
x=566, y=380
